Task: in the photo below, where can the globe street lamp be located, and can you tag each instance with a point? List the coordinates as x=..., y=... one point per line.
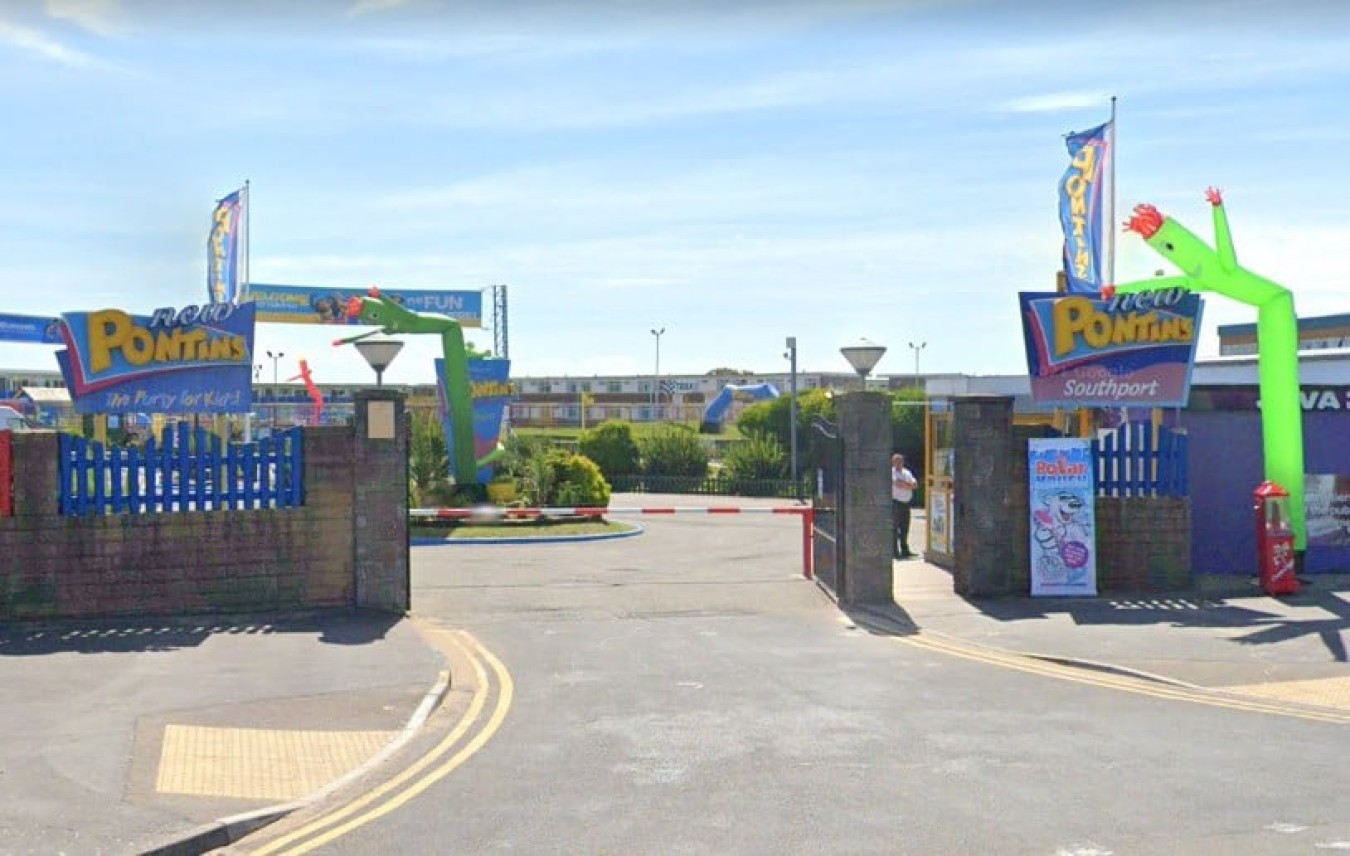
x=379, y=353
x=863, y=355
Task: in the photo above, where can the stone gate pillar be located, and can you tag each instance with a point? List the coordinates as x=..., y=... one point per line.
x=380, y=501
x=864, y=420
x=985, y=526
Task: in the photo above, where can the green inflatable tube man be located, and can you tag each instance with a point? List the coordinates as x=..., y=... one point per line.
x=392, y=319
x=1217, y=270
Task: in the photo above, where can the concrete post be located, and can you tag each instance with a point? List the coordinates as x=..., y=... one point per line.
x=985, y=526
x=380, y=497
x=864, y=420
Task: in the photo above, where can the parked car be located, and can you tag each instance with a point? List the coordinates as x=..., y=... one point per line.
x=13, y=420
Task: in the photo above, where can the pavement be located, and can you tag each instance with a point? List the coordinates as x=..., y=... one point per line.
x=184, y=735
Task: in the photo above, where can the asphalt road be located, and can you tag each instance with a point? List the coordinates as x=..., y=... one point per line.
x=687, y=691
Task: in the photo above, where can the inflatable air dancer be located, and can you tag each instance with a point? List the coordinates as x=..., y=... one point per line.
x=392, y=319
x=1217, y=270
x=315, y=394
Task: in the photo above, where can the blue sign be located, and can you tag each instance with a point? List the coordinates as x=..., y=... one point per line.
x=38, y=329
x=308, y=304
x=490, y=382
x=1130, y=350
x=197, y=359
x=222, y=249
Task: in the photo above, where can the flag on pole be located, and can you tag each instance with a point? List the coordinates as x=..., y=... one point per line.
x=1080, y=208
x=222, y=249
x=668, y=387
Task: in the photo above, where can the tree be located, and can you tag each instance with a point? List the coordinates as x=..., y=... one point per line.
x=908, y=432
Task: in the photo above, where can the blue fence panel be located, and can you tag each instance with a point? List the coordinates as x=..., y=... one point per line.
x=1138, y=460
x=186, y=470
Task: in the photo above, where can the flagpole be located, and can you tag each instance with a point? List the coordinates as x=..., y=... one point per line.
x=1111, y=200
x=248, y=244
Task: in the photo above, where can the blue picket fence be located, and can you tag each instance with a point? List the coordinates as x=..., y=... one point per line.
x=1138, y=460
x=186, y=470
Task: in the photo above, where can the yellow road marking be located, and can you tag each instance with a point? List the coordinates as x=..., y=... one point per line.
x=259, y=764
x=1138, y=686
x=475, y=653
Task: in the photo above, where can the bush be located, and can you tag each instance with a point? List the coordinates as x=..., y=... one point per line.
x=428, y=459
x=673, y=450
x=612, y=447
x=571, y=480
x=760, y=457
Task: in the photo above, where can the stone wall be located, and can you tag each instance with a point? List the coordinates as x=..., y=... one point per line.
x=53, y=566
x=1143, y=543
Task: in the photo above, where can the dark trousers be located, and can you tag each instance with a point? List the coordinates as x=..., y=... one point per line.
x=901, y=513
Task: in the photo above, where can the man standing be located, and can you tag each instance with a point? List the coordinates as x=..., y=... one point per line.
x=902, y=492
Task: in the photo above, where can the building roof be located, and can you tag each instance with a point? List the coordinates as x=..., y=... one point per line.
x=1320, y=322
x=46, y=394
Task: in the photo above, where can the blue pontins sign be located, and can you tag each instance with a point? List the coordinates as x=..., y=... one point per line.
x=197, y=359
x=490, y=382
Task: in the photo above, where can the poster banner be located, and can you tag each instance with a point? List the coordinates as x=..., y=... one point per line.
x=1080, y=208
x=37, y=329
x=938, y=506
x=1063, y=517
x=197, y=359
x=311, y=304
x=1326, y=498
x=1129, y=350
x=490, y=381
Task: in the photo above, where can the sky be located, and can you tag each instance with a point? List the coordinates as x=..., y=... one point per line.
x=731, y=173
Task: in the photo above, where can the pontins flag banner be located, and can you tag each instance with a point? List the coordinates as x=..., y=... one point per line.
x=490, y=383
x=1080, y=208
x=1131, y=349
x=222, y=249
x=1063, y=517
x=197, y=359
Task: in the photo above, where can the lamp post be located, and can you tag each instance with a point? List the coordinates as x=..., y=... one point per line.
x=275, y=358
x=656, y=385
x=379, y=353
x=917, y=348
x=863, y=355
x=792, y=407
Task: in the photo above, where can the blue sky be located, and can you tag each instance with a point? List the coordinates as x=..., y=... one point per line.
x=734, y=173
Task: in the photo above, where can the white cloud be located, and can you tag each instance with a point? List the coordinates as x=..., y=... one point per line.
x=100, y=17
x=36, y=42
x=373, y=7
x=1053, y=102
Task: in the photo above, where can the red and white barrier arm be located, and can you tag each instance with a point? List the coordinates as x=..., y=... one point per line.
x=489, y=512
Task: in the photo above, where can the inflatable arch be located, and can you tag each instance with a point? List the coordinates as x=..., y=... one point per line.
x=717, y=408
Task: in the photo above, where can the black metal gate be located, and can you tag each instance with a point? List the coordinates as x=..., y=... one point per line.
x=827, y=530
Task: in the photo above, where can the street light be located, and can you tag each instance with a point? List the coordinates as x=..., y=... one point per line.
x=916, y=348
x=792, y=406
x=863, y=356
x=275, y=358
x=379, y=353
x=656, y=387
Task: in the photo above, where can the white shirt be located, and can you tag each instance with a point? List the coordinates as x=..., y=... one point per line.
x=902, y=481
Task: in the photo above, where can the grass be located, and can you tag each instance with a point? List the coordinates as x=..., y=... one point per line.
x=521, y=529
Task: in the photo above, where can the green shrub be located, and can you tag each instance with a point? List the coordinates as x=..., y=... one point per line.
x=673, y=450
x=571, y=480
x=759, y=457
x=428, y=459
x=612, y=447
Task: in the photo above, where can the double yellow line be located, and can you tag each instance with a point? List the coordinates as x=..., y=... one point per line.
x=1115, y=681
x=442, y=760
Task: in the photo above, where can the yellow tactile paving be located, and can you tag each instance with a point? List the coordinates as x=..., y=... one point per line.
x=250, y=763
x=1322, y=692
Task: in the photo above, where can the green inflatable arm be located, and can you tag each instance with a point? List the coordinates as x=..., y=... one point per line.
x=1217, y=270
x=393, y=319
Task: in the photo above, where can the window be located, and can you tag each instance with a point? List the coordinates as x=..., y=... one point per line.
x=614, y=386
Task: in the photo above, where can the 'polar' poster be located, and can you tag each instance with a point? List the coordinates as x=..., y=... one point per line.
x=1063, y=523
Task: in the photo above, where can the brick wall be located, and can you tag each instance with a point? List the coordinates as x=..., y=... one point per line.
x=1143, y=543
x=53, y=566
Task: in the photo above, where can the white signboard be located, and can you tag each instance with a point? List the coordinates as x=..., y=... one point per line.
x=1063, y=520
